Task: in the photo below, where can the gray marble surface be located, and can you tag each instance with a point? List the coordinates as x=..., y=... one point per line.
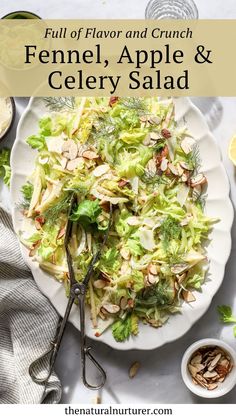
x=159, y=379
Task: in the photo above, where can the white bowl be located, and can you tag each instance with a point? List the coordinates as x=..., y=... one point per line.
x=223, y=388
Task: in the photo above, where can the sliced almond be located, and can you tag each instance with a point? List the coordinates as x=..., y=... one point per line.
x=134, y=369
x=133, y=221
x=214, y=362
x=73, y=164
x=173, y=169
x=199, y=367
x=188, y=296
x=187, y=145
x=212, y=386
x=180, y=169
x=99, y=283
x=210, y=374
x=179, y=268
x=184, y=177
x=153, y=269
x=123, y=303
x=222, y=370
x=111, y=308
x=152, y=279
x=193, y=370
x=63, y=162
x=200, y=179
x=147, y=140
x=101, y=170
x=151, y=166
x=164, y=164
x=155, y=120
x=224, y=362
x=154, y=136
x=70, y=149
x=181, y=277
x=185, y=165
x=125, y=268
x=125, y=253
x=197, y=359
x=90, y=155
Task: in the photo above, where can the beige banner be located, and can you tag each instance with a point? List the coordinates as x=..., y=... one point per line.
x=114, y=57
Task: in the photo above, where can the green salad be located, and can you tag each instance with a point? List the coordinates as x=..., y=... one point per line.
x=129, y=153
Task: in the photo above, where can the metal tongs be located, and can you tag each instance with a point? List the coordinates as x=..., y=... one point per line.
x=77, y=292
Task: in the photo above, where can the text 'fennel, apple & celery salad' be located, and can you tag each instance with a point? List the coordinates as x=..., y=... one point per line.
x=131, y=154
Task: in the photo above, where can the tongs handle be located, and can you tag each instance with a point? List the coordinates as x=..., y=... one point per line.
x=86, y=350
x=50, y=355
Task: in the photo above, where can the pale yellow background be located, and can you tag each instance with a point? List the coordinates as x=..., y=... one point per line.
x=216, y=79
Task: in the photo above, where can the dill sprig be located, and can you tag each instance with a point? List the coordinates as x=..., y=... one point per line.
x=134, y=103
x=170, y=229
x=151, y=178
x=61, y=206
x=200, y=199
x=194, y=159
x=59, y=103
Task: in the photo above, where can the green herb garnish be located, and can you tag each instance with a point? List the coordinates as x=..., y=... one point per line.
x=27, y=191
x=226, y=315
x=170, y=229
x=61, y=206
x=59, y=103
x=86, y=212
x=5, y=169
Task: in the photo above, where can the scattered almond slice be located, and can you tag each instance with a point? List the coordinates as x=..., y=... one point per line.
x=63, y=162
x=101, y=170
x=152, y=279
x=99, y=283
x=147, y=140
x=123, y=303
x=133, y=221
x=188, y=296
x=187, y=144
x=90, y=155
x=125, y=253
x=197, y=359
x=70, y=149
x=153, y=269
x=185, y=165
x=111, y=308
x=154, y=136
x=210, y=374
x=73, y=164
x=134, y=369
x=173, y=169
x=212, y=386
x=199, y=179
x=164, y=164
x=193, y=370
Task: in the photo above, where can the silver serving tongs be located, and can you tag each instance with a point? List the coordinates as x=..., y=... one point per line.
x=77, y=292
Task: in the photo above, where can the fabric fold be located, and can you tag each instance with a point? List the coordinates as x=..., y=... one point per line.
x=28, y=323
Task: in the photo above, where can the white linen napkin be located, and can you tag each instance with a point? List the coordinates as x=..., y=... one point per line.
x=28, y=324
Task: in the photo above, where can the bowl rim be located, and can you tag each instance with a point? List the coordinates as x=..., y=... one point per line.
x=13, y=106
x=21, y=11
x=226, y=387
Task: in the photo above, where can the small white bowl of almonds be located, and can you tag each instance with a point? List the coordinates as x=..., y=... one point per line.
x=209, y=368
